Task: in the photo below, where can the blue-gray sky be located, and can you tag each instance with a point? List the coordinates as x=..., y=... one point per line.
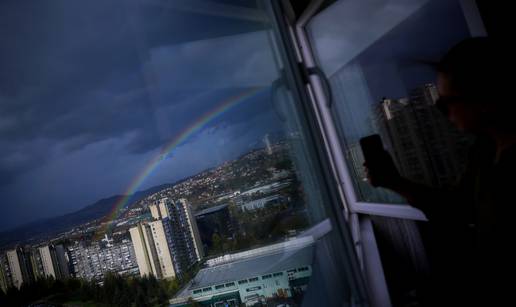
x=90, y=91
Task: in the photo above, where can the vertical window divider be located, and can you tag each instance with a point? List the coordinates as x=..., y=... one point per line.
x=297, y=63
x=361, y=228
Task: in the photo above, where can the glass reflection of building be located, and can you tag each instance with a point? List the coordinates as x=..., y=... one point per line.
x=423, y=144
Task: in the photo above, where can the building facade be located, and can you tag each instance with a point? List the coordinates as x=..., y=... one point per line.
x=63, y=263
x=18, y=268
x=48, y=262
x=5, y=273
x=161, y=237
x=24, y=265
x=170, y=244
x=274, y=273
x=423, y=143
x=93, y=262
x=144, y=250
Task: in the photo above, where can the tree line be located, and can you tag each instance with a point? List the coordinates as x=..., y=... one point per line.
x=114, y=290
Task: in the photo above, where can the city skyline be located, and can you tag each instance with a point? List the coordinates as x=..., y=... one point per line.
x=113, y=209
x=159, y=237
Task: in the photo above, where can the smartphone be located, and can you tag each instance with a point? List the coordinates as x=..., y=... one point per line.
x=372, y=148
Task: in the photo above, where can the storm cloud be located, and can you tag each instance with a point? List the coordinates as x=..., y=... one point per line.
x=91, y=91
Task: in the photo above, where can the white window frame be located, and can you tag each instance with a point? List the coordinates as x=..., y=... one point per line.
x=358, y=212
x=333, y=143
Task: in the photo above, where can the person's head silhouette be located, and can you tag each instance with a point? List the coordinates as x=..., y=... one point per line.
x=470, y=90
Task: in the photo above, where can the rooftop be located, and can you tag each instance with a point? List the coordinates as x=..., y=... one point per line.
x=270, y=259
x=211, y=210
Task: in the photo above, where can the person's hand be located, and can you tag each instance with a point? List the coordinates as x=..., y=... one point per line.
x=382, y=172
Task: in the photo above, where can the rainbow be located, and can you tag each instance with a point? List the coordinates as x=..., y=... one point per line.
x=181, y=137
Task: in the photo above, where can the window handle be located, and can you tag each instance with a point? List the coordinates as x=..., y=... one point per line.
x=324, y=81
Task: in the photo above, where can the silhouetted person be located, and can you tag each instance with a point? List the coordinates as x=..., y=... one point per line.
x=470, y=231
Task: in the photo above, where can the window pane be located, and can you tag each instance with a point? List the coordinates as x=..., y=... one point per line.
x=187, y=110
x=373, y=54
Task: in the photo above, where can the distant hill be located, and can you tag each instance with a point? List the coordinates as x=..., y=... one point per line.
x=55, y=225
x=47, y=228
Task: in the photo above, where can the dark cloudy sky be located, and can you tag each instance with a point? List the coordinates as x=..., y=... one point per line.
x=90, y=91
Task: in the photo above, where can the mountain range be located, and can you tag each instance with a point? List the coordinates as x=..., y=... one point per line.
x=55, y=225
